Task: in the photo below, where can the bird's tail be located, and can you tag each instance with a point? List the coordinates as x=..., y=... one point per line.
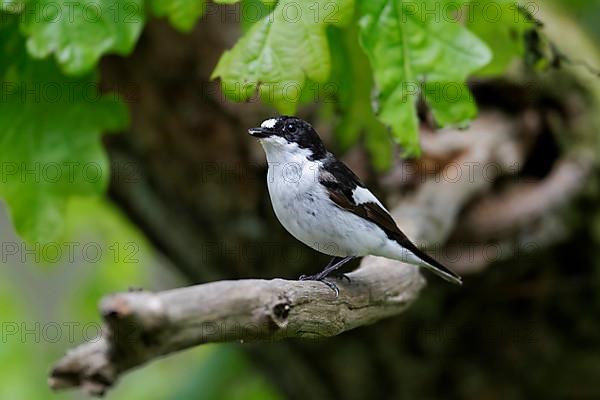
x=433, y=265
x=443, y=272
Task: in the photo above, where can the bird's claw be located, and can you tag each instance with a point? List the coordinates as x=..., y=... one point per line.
x=332, y=286
x=321, y=278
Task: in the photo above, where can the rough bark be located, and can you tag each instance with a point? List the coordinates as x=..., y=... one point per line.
x=142, y=326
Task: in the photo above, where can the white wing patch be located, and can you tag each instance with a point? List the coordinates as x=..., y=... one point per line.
x=269, y=123
x=362, y=195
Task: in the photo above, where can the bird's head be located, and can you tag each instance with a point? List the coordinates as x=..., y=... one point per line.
x=291, y=135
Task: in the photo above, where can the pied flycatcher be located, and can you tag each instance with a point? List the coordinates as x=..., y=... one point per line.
x=323, y=204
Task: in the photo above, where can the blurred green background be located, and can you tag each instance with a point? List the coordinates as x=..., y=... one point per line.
x=48, y=306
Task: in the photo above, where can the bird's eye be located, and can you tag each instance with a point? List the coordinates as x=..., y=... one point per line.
x=291, y=128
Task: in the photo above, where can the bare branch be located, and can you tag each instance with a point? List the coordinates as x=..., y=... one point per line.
x=141, y=326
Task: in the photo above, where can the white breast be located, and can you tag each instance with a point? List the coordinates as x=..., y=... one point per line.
x=303, y=207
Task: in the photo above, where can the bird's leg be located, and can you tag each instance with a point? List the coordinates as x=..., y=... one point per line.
x=331, y=268
x=335, y=264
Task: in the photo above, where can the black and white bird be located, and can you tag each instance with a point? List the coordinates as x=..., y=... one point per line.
x=323, y=204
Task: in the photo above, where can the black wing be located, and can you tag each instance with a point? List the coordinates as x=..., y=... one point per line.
x=341, y=182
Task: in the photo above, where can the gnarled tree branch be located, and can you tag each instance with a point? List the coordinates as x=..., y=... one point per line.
x=141, y=326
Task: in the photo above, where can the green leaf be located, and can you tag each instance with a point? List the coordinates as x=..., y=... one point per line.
x=281, y=52
x=253, y=11
x=182, y=14
x=11, y=43
x=410, y=50
x=50, y=146
x=351, y=81
x=78, y=33
x=502, y=27
x=450, y=102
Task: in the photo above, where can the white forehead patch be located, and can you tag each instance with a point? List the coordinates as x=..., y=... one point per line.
x=268, y=123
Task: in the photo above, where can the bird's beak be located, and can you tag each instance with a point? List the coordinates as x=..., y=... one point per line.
x=260, y=133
